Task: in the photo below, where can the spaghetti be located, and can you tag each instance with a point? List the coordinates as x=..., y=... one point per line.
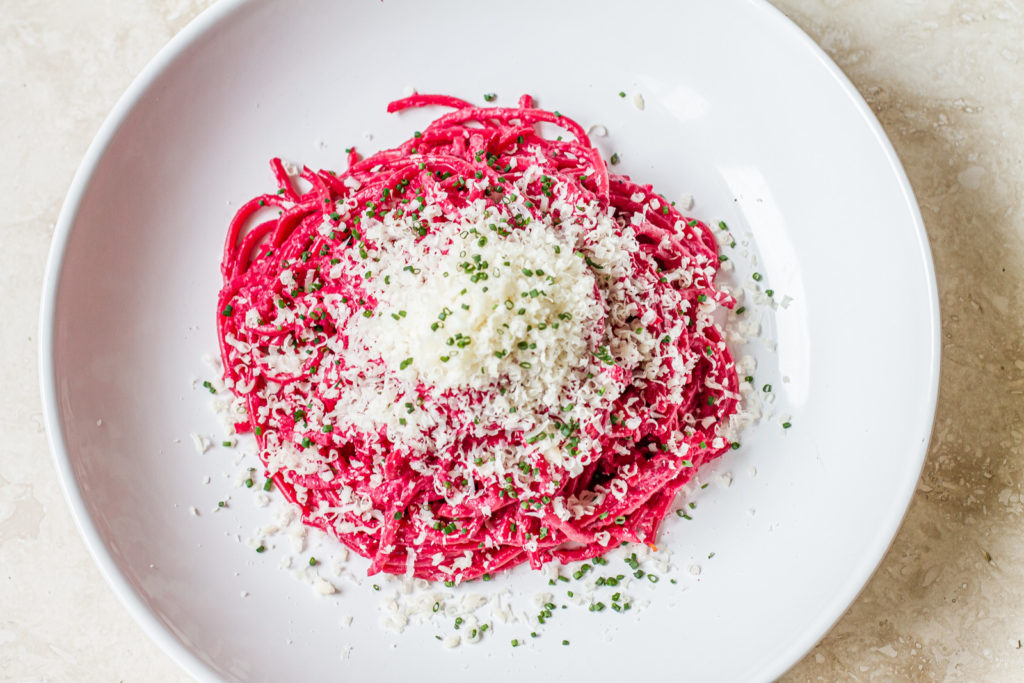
x=477, y=349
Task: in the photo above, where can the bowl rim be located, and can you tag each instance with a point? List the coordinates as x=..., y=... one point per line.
x=160, y=632
x=157, y=631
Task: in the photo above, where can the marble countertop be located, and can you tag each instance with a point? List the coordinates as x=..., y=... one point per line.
x=943, y=76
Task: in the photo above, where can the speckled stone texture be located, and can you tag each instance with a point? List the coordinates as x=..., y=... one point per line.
x=945, y=80
x=944, y=77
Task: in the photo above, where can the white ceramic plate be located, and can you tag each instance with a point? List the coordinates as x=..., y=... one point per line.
x=742, y=110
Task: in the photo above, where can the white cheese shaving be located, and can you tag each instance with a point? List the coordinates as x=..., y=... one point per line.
x=200, y=442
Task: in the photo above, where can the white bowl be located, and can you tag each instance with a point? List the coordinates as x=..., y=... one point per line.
x=741, y=110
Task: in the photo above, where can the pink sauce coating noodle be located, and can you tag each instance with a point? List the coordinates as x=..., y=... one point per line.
x=395, y=505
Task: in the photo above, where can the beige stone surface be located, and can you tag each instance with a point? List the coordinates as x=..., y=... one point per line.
x=945, y=78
